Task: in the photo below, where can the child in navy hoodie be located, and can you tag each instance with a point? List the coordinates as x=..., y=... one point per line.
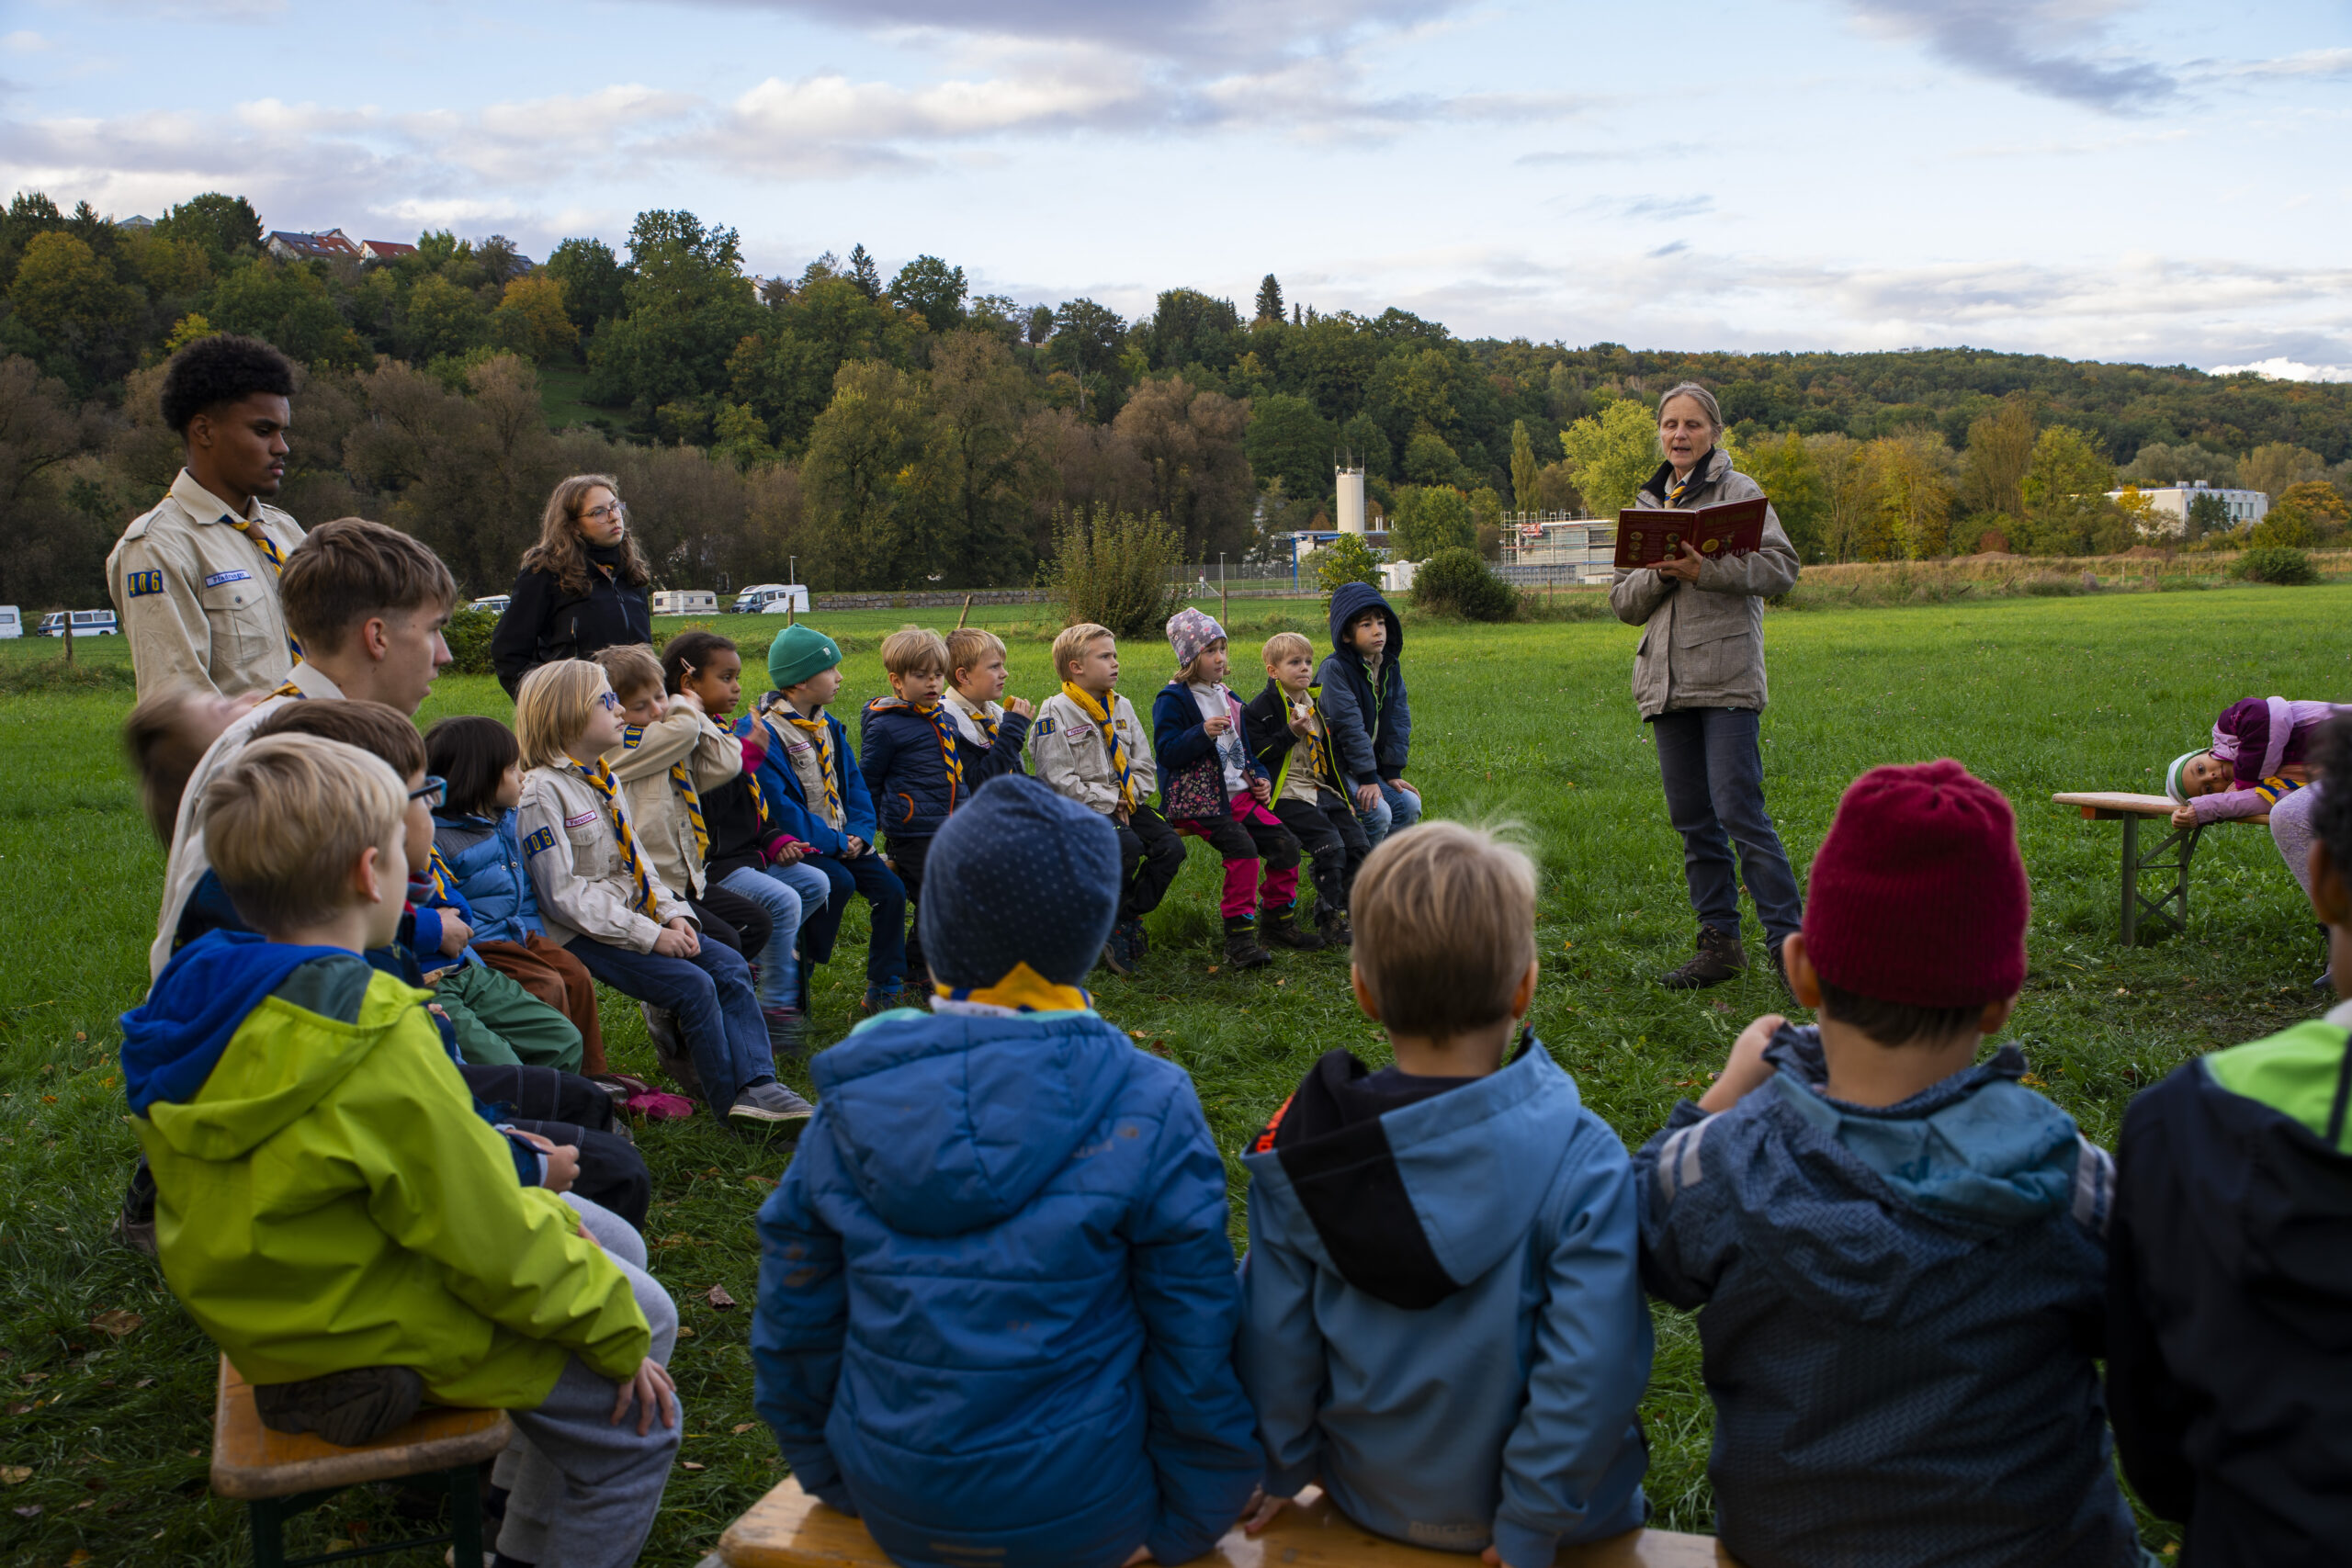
x=997, y=1303
x=1442, y=1321
x=1898, y=1251
x=912, y=756
x=1363, y=702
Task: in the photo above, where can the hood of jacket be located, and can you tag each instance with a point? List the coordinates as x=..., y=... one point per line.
x=1978, y=1150
x=172, y=1041
x=1353, y=600
x=235, y=990
x=950, y=1122
x=1415, y=1203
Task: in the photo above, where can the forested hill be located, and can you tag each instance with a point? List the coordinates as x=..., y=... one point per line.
x=881, y=429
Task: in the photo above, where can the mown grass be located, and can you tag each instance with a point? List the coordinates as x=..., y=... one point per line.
x=1531, y=723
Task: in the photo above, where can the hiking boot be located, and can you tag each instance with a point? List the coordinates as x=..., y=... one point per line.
x=1241, y=949
x=770, y=1107
x=670, y=1050
x=1332, y=926
x=1719, y=958
x=882, y=999
x=1281, y=926
x=1118, y=952
x=787, y=1029
x=1780, y=968
x=136, y=1223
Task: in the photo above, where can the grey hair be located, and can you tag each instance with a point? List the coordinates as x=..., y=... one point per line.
x=1698, y=394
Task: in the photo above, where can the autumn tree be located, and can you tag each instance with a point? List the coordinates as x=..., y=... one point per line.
x=1188, y=445
x=2000, y=446
x=593, y=280
x=1289, y=441
x=1785, y=467
x=1849, y=512
x=2065, y=491
x=2277, y=467
x=931, y=289
x=862, y=482
x=531, y=320
x=1086, y=342
x=1430, y=518
x=1915, y=493
x=2307, y=513
x=2158, y=465
x=1523, y=467
x=1611, y=455
x=687, y=306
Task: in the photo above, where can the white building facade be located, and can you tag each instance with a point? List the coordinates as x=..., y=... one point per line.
x=2171, y=503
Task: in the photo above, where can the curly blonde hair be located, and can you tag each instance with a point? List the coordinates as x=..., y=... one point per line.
x=561, y=552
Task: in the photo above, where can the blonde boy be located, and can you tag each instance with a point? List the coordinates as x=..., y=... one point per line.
x=1442, y=1321
x=330, y=1209
x=1310, y=797
x=1091, y=747
x=915, y=763
x=991, y=731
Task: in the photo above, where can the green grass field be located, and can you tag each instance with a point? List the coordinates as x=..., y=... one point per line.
x=104, y=1441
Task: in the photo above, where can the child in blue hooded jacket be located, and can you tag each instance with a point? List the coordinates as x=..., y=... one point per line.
x=1365, y=709
x=1442, y=1321
x=997, y=1303
x=1898, y=1251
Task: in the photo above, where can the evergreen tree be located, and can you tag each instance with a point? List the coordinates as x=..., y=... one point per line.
x=1270, y=300
x=864, y=273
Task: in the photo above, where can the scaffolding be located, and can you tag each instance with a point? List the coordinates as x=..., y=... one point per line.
x=1557, y=549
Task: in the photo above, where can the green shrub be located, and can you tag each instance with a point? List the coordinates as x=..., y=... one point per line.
x=1344, y=560
x=1457, y=582
x=2275, y=563
x=1117, y=569
x=468, y=635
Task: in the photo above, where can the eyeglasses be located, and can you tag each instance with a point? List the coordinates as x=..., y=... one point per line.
x=612, y=702
x=616, y=511
x=433, y=791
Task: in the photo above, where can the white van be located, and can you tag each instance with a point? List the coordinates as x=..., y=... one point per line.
x=495, y=603
x=87, y=623
x=685, y=602
x=771, y=599
x=12, y=621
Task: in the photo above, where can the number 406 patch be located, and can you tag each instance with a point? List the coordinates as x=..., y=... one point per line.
x=542, y=839
x=142, y=583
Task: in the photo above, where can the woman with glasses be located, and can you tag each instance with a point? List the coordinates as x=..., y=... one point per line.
x=583, y=586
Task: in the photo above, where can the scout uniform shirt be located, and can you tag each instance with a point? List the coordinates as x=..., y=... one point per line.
x=197, y=598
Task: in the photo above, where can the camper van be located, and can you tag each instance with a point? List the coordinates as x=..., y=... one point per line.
x=685, y=602
x=12, y=621
x=87, y=623
x=771, y=599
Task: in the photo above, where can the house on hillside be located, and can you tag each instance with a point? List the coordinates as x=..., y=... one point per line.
x=136, y=220
x=2171, y=504
x=333, y=245
x=384, y=250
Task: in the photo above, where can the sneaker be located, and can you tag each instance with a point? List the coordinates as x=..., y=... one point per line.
x=135, y=1225
x=882, y=999
x=769, y=1107
x=1118, y=956
x=1332, y=926
x=1780, y=968
x=1280, y=929
x=1241, y=949
x=787, y=1029
x=1719, y=958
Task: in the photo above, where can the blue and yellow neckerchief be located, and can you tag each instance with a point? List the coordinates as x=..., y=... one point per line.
x=2271, y=789
x=1022, y=991
x=1099, y=714
x=600, y=778
x=819, y=732
x=252, y=529
x=632, y=737
x=942, y=725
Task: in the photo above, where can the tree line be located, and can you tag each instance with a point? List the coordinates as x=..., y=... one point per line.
x=888, y=431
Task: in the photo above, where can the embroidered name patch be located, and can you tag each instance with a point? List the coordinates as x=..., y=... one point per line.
x=218, y=578
x=540, y=838
x=580, y=821
x=142, y=583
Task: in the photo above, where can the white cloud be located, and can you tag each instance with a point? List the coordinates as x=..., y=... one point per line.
x=2052, y=48
x=24, y=41
x=2287, y=371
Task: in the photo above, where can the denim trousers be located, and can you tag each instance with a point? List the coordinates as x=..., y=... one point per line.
x=1713, y=772
x=789, y=894
x=1397, y=808
x=711, y=995
x=886, y=951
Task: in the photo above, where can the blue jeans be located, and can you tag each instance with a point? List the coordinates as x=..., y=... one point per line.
x=711, y=995
x=1395, y=810
x=1713, y=772
x=789, y=894
x=886, y=953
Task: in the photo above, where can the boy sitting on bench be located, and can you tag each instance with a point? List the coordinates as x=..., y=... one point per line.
x=997, y=1304
x=330, y=1208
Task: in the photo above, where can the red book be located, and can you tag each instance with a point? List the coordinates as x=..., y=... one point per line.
x=1646, y=536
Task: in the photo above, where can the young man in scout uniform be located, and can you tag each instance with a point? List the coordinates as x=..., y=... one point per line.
x=194, y=581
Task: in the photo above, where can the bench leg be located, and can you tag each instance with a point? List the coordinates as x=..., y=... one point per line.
x=465, y=1515
x=2131, y=879
x=2168, y=909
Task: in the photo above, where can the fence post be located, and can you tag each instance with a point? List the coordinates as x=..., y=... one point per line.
x=69, y=637
x=966, y=612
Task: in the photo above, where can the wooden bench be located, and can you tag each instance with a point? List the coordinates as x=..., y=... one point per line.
x=278, y=1474
x=2169, y=906
x=788, y=1528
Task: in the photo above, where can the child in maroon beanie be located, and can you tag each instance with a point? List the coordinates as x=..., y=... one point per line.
x=1899, y=1250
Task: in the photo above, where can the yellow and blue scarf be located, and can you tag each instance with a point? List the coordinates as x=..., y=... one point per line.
x=632, y=737
x=600, y=778
x=1099, y=714
x=943, y=725
x=1022, y=991
x=821, y=733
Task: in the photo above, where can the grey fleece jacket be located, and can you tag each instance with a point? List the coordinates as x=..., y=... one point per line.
x=1702, y=643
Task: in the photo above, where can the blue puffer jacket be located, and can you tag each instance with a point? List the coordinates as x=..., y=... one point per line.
x=997, y=1303
x=788, y=804
x=903, y=751
x=1371, y=731
x=484, y=858
x=1902, y=1306
x=1442, y=1314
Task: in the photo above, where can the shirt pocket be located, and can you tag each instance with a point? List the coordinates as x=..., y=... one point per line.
x=231, y=601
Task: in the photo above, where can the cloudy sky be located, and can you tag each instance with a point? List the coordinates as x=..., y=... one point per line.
x=2097, y=179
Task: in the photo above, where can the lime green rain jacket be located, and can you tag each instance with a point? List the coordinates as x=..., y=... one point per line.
x=330, y=1199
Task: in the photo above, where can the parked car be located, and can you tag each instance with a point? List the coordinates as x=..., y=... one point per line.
x=770, y=598
x=685, y=602
x=495, y=603
x=87, y=623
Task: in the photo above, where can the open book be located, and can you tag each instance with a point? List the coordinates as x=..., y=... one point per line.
x=1646, y=536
